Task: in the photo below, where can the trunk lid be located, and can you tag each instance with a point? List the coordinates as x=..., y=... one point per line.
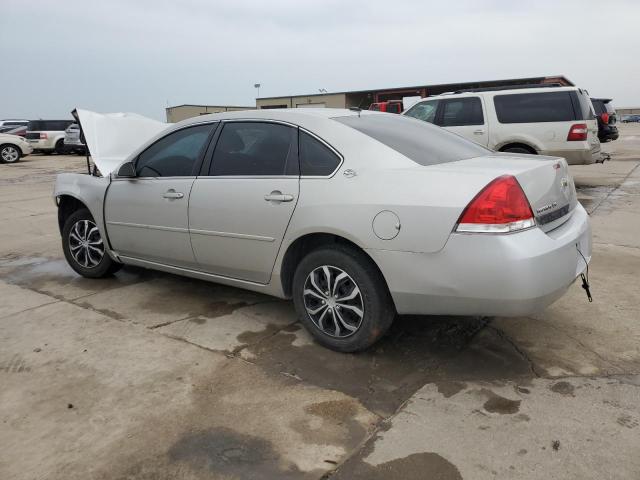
x=546, y=182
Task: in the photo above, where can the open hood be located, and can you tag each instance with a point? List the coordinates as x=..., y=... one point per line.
x=112, y=137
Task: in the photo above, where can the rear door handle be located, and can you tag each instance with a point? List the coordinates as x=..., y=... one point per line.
x=478, y=132
x=172, y=194
x=278, y=196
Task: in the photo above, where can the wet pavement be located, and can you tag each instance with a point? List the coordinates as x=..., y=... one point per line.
x=151, y=375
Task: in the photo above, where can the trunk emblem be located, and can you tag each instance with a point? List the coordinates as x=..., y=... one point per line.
x=546, y=207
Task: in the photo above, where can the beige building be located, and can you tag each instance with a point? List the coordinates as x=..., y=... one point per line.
x=181, y=112
x=360, y=98
x=627, y=111
x=364, y=98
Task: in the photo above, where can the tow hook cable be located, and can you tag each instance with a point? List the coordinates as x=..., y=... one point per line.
x=585, y=278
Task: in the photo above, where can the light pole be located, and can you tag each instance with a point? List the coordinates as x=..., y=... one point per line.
x=257, y=86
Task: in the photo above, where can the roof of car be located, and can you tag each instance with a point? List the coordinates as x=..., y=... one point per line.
x=500, y=92
x=284, y=114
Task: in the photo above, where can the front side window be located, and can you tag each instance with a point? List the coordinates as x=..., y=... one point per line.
x=176, y=154
x=461, y=111
x=425, y=111
x=316, y=159
x=534, y=107
x=254, y=149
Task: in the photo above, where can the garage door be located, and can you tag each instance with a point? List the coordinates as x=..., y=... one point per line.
x=311, y=105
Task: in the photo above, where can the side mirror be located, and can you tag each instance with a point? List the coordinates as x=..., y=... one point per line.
x=127, y=170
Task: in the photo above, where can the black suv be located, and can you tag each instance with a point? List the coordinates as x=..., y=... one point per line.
x=606, y=115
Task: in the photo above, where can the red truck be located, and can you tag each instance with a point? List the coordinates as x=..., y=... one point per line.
x=391, y=106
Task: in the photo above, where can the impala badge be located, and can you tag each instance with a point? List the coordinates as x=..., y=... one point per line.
x=564, y=183
x=546, y=207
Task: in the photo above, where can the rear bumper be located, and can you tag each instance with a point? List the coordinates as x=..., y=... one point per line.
x=502, y=275
x=583, y=156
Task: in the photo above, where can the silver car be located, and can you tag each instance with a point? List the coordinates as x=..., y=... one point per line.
x=357, y=216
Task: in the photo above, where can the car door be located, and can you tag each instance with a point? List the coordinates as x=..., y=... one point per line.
x=465, y=117
x=147, y=216
x=239, y=211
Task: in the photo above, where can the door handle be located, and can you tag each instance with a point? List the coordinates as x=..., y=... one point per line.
x=172, y=194
x=278, y=196
x=478, y=132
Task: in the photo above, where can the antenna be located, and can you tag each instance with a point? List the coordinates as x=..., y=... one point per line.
x=356, y=109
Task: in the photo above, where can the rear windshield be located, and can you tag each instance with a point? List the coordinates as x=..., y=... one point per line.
x=48, y=125
x=586, y=112
x=419, y=141
x=598, y=106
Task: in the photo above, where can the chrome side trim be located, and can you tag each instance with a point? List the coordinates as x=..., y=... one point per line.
x=233, y=235
x=150, y=227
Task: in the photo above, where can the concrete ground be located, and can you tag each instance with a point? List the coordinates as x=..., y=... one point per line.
x=148, y=375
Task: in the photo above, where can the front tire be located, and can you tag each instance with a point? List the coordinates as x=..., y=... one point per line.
x=342, y=299
x=9, y=153
x=84, y=247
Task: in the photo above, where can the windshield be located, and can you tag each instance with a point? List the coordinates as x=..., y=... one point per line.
x=419, y=141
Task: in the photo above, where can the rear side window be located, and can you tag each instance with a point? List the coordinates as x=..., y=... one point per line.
x=49, y=125
x=419, y=141
x=461, y=111
x=176, y=154
x=254, y=149
x=316, y=159
x=425, y=111
x=534, y=107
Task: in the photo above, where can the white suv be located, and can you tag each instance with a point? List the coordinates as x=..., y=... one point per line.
x=47, y=136
x=556, y=121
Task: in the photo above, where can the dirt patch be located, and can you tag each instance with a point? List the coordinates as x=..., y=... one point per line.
x=340, y=410
x=563, y=388
x=449, y=389
x=497, y=404
x=418, y=466
x=230, y=454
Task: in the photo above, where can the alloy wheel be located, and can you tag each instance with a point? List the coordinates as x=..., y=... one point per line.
x=333, y=301
x=10, y=154
x=85, y=244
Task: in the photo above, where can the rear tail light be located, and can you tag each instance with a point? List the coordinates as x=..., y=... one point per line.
x=43, y=136
x=605, y=118
x=577, y=132
x=500, y=207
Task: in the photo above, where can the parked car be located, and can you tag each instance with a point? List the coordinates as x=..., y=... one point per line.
x=391, y=106
x=14, y=123
x=607, y=118
x=20, y=130
x=72, y=141
x=357, y=216
x=630, y=118
x=12, y=148
x=557, y=121
x=47, y=136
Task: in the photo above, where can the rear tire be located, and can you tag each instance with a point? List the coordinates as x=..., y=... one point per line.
x=9, y=153
x=84, y=247
x=518, y=150
x=60, y=149
x=357, y=309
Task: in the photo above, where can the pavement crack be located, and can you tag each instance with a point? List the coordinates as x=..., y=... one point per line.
x=520, y=351
x=611, y=192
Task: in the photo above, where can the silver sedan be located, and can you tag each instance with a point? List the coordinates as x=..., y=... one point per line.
x=357, y=216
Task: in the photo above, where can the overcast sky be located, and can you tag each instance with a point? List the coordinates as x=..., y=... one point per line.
x=137, y=56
